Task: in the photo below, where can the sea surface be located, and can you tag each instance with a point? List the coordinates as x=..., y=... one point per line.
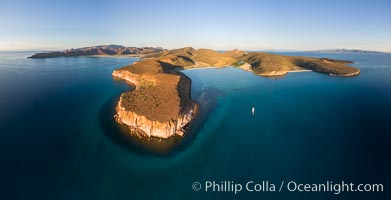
x=58, y=141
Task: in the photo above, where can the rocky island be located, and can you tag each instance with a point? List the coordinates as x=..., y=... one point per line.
x=101, y=50
x=345, y=51
x=160, y=105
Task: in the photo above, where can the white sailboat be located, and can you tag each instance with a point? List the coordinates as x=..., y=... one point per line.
x=253, y=110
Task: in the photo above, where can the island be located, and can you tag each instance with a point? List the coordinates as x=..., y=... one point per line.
x=160, y=104
x=100, y=50
x=345, y=51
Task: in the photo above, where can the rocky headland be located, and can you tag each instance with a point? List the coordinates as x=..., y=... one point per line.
x=160, y=105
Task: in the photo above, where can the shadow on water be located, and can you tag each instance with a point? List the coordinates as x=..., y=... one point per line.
x=152, y=146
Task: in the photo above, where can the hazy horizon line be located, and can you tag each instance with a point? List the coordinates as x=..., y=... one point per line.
x=261, y=49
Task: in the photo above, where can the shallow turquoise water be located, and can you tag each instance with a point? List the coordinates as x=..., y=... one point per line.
x=307, y=127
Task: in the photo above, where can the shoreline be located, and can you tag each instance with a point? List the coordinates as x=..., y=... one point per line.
x=199, y=68
x=299, y=70
x=114, y=56
x=347, y=75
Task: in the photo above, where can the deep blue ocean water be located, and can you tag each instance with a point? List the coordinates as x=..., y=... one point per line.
x=307, y=127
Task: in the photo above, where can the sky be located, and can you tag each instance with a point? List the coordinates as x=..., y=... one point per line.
x=219, y=25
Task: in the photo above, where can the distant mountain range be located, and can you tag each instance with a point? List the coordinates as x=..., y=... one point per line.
x=110, y=50
x=345, y=51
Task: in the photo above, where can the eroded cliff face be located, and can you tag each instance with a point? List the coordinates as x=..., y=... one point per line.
x=127, y=76
x=355, y=73
x=143, y=126
x=160, y=106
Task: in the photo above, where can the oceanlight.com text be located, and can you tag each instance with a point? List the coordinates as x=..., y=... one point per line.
x=285, y=186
